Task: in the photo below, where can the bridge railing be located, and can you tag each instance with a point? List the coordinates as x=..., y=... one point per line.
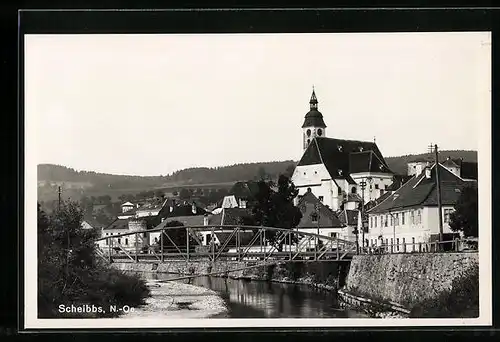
x=224, y=242
x=455, y=245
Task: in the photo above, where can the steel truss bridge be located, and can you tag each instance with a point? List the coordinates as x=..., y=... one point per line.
x=233, y=243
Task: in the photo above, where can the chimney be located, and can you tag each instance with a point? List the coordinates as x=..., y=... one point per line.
x=193, y=208
x=205, y=220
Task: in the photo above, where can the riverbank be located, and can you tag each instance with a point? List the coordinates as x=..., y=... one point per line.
x=177, y=300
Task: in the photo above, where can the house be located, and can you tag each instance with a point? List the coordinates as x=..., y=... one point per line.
x=317, y=218
x=465, y=170
x=333, y=168
x=90, y=222
x=410, y=214
x=151, y=207
x=129, y=242
x=204, y=222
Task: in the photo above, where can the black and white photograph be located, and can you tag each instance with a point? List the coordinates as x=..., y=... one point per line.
x=306, y=179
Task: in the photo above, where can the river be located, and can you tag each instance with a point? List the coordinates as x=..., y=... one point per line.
x=260, y=299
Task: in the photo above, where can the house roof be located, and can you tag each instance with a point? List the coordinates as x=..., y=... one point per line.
x=354, y=198
x=421, y=191
x=308, y=204
x=335, y=154
x=193, y=220
x=93, y=222
x=348, y=217
x=127, y=204
x=118, y=224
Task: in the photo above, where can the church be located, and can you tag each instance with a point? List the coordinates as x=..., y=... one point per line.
x=338, y=171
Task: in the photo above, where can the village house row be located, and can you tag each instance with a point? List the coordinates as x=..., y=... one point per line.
x=336, y=179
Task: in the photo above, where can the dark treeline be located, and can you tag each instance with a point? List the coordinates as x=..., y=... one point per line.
x=199, y=175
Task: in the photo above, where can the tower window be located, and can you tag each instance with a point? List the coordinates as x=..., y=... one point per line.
x=353, y=190
x=339, y=147
x=320, y=132
x=340, y=172
x=308, y=132
x=308, y=141
x=320, y=198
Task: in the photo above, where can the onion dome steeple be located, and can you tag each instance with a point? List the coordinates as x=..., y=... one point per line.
x=314, y=118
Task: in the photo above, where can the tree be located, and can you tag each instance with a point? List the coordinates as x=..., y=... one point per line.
x=274, y=208
x=465, y=217
x=184, y=194
x=262, y=174
x=178, y=236
x=289, y=170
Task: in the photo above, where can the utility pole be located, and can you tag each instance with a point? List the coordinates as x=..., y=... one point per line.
x=363, y=185
x=59, y=201
x=438, y=186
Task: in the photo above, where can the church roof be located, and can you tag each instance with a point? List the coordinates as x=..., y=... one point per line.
x=314, y=116
x=339, y=156
x=421, y=191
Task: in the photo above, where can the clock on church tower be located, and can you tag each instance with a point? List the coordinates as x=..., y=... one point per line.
x=313, y=126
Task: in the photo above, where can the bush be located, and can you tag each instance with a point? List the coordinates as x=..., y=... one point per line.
x=461, y=301
x=69, y=273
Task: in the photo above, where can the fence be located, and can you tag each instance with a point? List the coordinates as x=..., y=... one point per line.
x=456, y=245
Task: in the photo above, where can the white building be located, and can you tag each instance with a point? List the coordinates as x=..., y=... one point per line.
x=410, y=214
x=333, y=168
x=127, y=206
x=131, y=242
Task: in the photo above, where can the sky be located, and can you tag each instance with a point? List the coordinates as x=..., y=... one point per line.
x=154, y=104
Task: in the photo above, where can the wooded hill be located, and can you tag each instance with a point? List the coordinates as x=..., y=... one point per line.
x=77, y=183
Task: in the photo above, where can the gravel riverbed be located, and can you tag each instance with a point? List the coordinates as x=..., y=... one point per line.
x=173, y=299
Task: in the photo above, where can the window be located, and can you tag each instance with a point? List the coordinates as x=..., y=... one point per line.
x=386, y=242
x=404, y=244
x=320, y=198
x=353, y=190
x=447, y=213
x=145, y=234
x=386, y=187
x=107, y=241
x=333, y=235
x=413, y=244
x=314, y=217
x=375, y=221
x=392, y=241
x=385, y=222
x=403, y=219
x=412, y=217
x=397, y=244
x=381, y=191
x=376, y=186
x=396, y=219
x=119, y=241
x=419, y=217
x=392, y=220
x=126, y=242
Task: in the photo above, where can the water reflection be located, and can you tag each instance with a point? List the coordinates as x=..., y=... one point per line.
x=259, y=299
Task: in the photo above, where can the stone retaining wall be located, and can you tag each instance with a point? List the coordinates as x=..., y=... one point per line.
x=406, y=279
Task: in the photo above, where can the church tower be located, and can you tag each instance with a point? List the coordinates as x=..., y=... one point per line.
x=313, y=126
